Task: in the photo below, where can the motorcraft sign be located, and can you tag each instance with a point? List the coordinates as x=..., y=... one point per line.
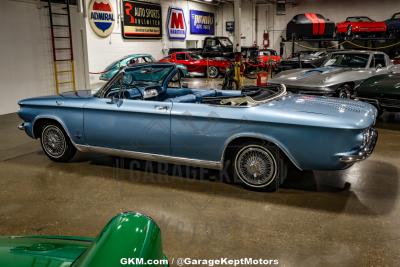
x=201, y=22
x=176, y=24
x=141, y=20
x=101, y=17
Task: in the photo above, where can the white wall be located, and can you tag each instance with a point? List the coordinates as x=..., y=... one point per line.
x=103, y=51
x=26, y=65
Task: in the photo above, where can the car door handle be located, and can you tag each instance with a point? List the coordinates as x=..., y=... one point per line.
x=161, y=108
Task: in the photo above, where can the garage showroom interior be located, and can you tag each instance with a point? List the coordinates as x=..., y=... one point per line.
x=199, y=133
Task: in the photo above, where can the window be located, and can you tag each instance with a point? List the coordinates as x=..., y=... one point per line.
x=175, y=81
x=349, y=60
x=359, y=19
x=378, y=61
x=181, y=56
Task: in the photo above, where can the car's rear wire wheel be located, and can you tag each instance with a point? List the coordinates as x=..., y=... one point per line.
x=259, y=166
x=212, y=72
x=345, y=91
x=55, y=143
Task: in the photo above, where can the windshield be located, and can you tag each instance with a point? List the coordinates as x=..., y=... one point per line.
x=196, y=56
x=359, y=19
x=267, y=53
x=225, y=42
x=349, y=60
x=115, y=64
x=154, y=74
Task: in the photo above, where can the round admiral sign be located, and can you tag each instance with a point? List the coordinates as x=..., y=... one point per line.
x=101, y=17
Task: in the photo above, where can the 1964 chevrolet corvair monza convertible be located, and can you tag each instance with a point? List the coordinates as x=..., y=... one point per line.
x=127, y=237
x=254, y=133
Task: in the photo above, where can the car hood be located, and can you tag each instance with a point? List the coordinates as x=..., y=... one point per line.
x=51, y=251
x=312, y=77
x=79, y=94
x=377, y=84
x=323, y=111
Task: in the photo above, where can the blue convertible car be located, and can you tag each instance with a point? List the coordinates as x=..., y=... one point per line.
x=143, y=112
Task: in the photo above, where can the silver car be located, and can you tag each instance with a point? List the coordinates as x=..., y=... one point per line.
x=338, y=76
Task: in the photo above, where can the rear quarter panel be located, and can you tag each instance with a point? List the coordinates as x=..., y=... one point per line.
x=306, y=139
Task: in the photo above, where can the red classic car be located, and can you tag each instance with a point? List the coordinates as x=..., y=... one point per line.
x=268, y=56
x=360, y=26
x=197, y=65
x=257, y=60
x=396, y=60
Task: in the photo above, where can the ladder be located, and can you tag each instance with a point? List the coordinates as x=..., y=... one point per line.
x=63, y=56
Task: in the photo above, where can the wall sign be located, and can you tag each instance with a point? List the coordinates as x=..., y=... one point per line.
x=201, y=22
x=101, y=17
x=176, y=24
x=141, y=20
x=230, y=26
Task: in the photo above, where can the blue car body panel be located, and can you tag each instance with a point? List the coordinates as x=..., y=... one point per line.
x=313, y=132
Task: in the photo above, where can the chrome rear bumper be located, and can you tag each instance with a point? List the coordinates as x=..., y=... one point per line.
x=21, y=127
x=365, y=152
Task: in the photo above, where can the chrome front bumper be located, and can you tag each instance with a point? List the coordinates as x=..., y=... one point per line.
x=365, y=152
x=21, y=127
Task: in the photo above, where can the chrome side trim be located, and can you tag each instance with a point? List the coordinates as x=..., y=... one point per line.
x=196, y=74
x=151, y=157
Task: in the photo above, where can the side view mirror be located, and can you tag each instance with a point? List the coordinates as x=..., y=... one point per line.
x=113, y=100
x=185, y=85
x=378, y=67
x=150, y=93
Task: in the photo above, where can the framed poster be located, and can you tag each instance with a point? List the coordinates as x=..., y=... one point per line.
x=176, y=24
x=141, y=20
x=201, y=22
x=230, y=26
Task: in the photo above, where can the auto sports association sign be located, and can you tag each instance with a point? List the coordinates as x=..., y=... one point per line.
x=176, y=24
x=101, y=17
x=141, y=20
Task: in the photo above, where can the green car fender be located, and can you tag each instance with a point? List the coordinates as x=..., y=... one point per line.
x=128, y=236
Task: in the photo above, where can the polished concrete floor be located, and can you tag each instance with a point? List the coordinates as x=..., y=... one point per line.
x=343, y=218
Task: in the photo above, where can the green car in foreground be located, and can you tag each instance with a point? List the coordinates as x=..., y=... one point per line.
x=129, y=239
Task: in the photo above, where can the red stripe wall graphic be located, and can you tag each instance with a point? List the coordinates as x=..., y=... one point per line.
x=318, y=24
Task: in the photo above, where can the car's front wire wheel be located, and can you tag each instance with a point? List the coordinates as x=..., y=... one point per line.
x=259, y=166
x=212, y=72
x=55, y=143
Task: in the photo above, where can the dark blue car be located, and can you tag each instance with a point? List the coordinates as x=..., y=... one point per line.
x=393, y=24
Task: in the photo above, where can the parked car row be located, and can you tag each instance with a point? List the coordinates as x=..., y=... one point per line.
x=337, y=73
x=312, y=25
x=365, y=75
